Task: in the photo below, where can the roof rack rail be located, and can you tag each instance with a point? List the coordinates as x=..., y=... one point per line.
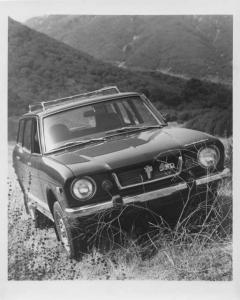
x=101, y=92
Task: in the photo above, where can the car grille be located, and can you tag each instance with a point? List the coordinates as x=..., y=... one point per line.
x=161, y=168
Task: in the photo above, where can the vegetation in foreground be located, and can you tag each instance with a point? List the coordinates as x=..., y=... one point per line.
x=182, y=253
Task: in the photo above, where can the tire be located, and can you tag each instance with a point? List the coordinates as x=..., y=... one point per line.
x=69, y=233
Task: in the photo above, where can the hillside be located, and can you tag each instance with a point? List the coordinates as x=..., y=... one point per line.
x=192, y=46
x=42, y=68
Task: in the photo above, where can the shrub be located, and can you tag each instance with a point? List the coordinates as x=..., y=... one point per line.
x=215, y=122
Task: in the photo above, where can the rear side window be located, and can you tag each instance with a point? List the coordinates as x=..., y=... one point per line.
x=27, y=134
x=35, y=143
x=20, y=132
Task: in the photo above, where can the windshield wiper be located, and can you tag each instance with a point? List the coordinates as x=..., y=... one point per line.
x=79, y=142
x=122, y=129
x=153, y=126
x=131, y=128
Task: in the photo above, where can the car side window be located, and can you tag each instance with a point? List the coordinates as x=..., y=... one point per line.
x=27, y=134
x=35, y=141
x=20, y=133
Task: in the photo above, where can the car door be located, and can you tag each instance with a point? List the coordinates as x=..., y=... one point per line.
x=29, y=156
x=23, y=154
x=17, y=154
x=34, y=160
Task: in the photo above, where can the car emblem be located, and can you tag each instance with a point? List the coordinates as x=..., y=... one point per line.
x=166, y=166
x=148, y=169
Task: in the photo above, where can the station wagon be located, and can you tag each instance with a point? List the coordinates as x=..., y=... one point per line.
x=89, y=155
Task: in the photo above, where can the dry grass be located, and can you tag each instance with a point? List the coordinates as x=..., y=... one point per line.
x=182, y=253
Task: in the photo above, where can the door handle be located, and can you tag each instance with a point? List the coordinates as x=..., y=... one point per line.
x=18, y=157
x=29, y=164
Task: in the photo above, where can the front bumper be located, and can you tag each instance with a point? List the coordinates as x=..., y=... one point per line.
x=156, y=194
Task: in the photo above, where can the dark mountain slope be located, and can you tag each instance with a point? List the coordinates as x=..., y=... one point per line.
x=41, y=68
x=195, y=46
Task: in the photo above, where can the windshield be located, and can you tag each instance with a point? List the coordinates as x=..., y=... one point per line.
x=96, y=121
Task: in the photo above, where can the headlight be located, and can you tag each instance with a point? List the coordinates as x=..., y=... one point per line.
x=83, y=189
x=209, y=157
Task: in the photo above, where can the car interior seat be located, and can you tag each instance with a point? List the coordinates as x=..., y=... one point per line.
x=107, y=121
x=59, y=132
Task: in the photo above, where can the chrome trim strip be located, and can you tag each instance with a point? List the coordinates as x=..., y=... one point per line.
x=95, y=208
x=218, y=176
x=155, y=194
x=88, y=209
x=197, y=142
x=180, y=163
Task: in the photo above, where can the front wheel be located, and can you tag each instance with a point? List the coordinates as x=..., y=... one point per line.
x=69, y=233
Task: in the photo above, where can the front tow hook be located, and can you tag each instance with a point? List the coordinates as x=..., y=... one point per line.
x=117, y=201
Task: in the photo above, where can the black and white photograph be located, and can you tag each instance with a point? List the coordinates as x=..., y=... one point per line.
x=120, y=146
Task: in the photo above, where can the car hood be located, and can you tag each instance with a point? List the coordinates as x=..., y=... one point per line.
x=126, y=149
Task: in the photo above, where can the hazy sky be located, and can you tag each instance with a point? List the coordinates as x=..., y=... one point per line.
x=23, y=17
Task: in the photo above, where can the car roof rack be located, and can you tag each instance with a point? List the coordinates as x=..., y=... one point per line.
x=101, y=92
